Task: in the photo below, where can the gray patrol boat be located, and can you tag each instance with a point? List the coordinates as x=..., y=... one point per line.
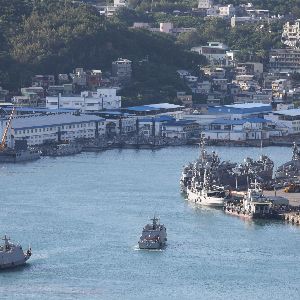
x=154, y=236
x=12, y=255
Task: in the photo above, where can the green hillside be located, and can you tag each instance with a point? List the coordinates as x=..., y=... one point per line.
x=48, y=37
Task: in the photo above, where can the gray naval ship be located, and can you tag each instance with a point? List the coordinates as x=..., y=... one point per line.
x=154, y=236
x=226, y=173
x=12, y=255
x=290, y=169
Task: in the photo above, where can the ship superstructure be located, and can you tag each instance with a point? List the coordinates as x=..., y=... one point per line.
x=226, y=173
x=154, y=235
x=254, y=205
x=12, y=255
x=290, y=169
x=206, y=193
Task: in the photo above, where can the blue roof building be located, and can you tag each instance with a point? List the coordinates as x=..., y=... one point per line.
x=181, y=129
x=241, y=109
x=153, y=109
x=152, y=126
x=240, y=129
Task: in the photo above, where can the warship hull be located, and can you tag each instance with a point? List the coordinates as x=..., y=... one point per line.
x=146, y=245
x=18, y=156
x=14, y=264
x=197, y=197
x=242, y=181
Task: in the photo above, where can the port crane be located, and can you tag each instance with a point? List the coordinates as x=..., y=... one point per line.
x=4, y=136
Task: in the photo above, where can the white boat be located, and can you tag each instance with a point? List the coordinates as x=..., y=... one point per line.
x=206, y=194
x=154, y=236
x=12, y=255
x=215, y=196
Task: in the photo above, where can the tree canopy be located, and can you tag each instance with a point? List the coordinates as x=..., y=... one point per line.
x=53, y=37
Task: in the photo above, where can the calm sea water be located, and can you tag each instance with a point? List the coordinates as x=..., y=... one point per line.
x=83, y=216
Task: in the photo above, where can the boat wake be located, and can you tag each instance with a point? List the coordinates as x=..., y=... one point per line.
x=136, y=248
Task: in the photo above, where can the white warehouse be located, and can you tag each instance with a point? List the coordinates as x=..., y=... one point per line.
x=104, y=98
x=39, y=129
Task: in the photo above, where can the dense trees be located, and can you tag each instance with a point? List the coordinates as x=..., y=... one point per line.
x=46, y=36
x=57, y=36
x=253, y=40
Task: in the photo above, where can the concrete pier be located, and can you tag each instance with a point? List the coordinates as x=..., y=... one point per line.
x=292, y=217
x=294, y=198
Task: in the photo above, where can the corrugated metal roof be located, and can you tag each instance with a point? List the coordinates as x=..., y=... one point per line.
x=248, y=105
x=40, y=110
x=154, y=107
x=165, y=105
x=158, y=119
x=246, y=108
x=142, y=108
x=288, y=112
x=52, y=120
x=240, y=121
x=179, y=122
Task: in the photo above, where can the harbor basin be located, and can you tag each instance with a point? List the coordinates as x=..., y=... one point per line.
x=83, y=216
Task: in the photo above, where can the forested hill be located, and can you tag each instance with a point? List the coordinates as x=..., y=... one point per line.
x=50, y=37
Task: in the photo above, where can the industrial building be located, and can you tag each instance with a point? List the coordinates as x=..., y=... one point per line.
x=37, y=130
x=288, y=119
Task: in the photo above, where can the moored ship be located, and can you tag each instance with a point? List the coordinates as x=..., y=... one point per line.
x=206, y=193
x=225, y=173
x=254, y=205
x=18, y=150
x=196, y=170
x=20, y=153
x=62, y=149
x=154, y=236
x=290, y=169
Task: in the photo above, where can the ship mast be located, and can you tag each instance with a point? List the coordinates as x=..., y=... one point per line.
x=4, y=136
x=295, y=152
x=202, y=149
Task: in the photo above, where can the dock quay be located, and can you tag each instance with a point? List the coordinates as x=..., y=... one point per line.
x=292, y=217
x=105, y=143
x=294, y=198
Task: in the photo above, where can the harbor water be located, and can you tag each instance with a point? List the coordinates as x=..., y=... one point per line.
x=83, y=216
